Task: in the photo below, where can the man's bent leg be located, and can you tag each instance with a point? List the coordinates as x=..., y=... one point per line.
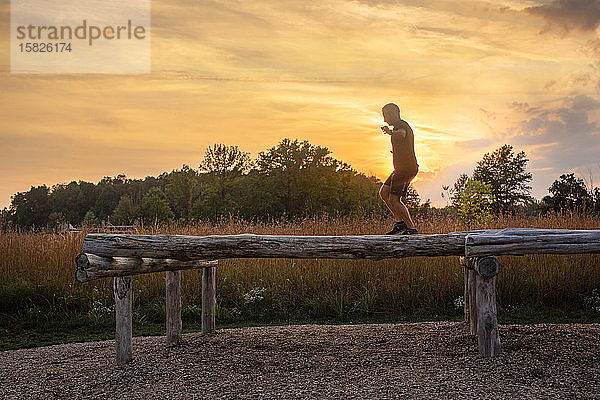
x=398, y=208
x=386, y=195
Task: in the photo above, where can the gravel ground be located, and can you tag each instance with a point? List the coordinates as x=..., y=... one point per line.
x=420, y=360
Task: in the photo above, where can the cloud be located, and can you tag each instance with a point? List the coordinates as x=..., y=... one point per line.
x=559, y=138
x=519, y=106
x=582, y=15
x=474, y=144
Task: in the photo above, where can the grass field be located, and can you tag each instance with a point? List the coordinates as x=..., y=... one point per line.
x=41, y=303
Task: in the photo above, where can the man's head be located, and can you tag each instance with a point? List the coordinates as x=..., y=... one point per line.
x=391, y=113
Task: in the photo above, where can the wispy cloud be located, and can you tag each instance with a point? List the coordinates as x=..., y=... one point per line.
x=569, y=15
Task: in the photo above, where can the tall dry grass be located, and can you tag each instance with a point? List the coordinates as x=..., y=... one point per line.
x=37, y=275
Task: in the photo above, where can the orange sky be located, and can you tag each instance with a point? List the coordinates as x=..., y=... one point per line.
x=468, y=76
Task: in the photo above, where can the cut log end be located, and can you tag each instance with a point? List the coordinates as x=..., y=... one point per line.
x=488, y=267
x=82, y=262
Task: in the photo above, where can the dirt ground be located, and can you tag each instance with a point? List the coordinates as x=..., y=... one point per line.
x=421, y=360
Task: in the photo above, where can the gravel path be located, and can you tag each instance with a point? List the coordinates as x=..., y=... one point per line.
x=420, y=360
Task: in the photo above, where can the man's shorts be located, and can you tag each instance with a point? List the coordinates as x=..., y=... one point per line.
x=399, y=180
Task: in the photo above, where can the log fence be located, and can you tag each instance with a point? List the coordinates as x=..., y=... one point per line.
x=121, y=256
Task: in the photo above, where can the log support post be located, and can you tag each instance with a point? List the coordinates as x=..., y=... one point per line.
x=472, y=278
x=466, y=309
x=209, y=298
x=173, y=307
x=123, y=318
x=480, y=290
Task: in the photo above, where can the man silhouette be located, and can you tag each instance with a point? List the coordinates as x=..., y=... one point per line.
x=405, y=169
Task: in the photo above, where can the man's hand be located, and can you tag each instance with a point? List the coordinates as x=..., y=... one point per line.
x=386, y=129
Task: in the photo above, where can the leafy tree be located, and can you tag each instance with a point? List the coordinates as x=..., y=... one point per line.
x=182, y=189
x=412, y=199
x=569, y=193
x=475, y=201
x=300, y=176
x=32, y=208
x=223, y=167
x=55, y=220
x=222, y=159
x=125, y=212
x=4, y=219
x=73, y=199
x=155, y=207
x=110, y=190
x=505, y=173
x=453, y=194
x=90, y=219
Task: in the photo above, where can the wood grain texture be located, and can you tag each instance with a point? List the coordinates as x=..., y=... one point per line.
x=123, y=316
x=186, y=248
x=486, y=266
x=466, y=307
x=488, y=338
x=532, y=241
x=173, y=307
x=91, y=266
x=472, y=274
x=209, y=299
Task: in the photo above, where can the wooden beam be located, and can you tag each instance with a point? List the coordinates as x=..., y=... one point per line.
x=91, y=266
x=186, y=248
x=209, y=299
x=532, y=241
x=173, y=307
x=123, y=318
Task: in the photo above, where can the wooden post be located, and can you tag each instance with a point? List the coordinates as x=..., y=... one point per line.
x=488, y=338
x=472, y=301
x=466, y=291
x=470, y=310
x=173, y=307
x=123, y=317
x=466, y=309
x=209, y=299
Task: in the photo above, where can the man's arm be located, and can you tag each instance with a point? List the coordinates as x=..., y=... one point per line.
x=400, y=131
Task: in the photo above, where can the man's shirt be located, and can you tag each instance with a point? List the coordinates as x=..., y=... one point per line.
x=403, y=148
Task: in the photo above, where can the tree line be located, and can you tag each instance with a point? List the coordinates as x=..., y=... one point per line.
x=293, y=179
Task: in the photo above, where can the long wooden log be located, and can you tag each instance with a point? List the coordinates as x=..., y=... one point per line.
x=123, y=318
x=534, y=231
x=173, y=307
x=186, y=248
x=121, y=255
x=91, y=266
x=519, y=242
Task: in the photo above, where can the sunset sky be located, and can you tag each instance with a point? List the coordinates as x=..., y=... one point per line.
x=468, y=76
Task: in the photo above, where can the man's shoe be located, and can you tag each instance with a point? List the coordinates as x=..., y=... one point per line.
x=399, y=227
x=410, y=231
